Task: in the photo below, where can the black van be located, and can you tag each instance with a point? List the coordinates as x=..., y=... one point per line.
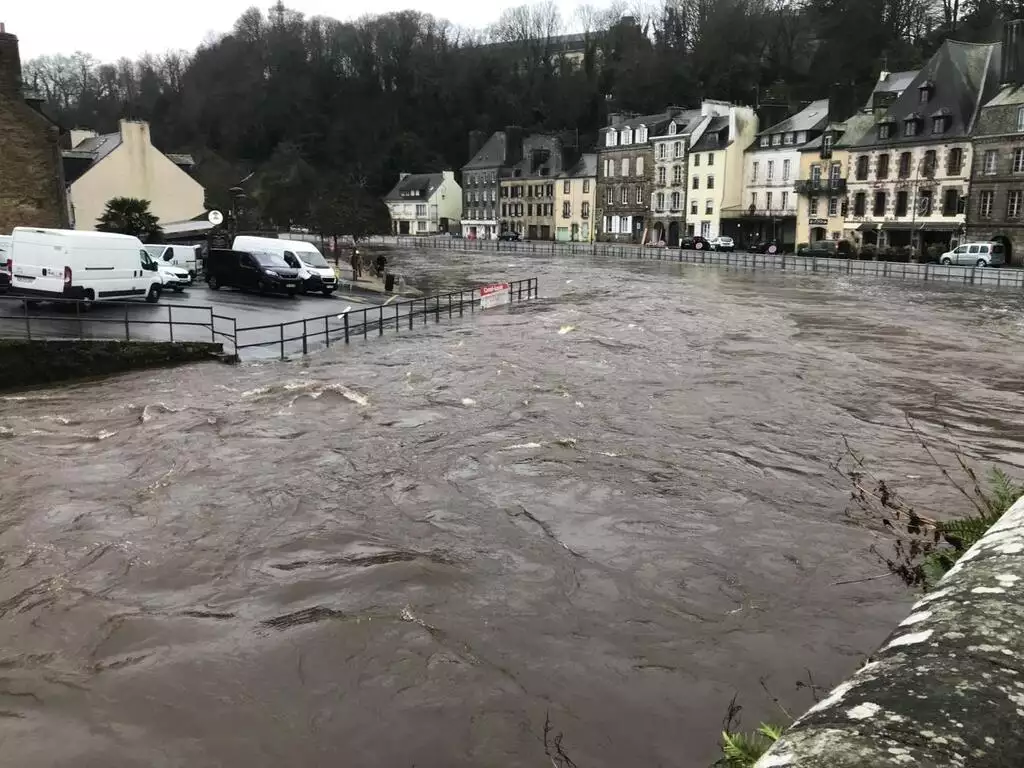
x=251, y=271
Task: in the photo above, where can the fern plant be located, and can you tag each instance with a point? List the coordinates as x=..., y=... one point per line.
x=742, y=750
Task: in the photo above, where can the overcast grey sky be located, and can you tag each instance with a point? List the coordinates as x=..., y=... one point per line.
x=114, y=28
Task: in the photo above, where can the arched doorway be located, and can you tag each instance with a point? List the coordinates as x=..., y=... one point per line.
x=658, y=233
x=673, y=234
x=1007, y=243
x=818, y=233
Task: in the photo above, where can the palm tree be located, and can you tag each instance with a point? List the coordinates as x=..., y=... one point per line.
x=130, y=216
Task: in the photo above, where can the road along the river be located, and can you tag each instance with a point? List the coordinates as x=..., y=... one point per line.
x=611, y=506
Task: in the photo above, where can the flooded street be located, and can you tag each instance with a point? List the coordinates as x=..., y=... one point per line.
x=612, y=507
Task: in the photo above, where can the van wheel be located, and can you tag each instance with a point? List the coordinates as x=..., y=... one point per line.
x=981, y=263
x=154, y=294
x=947, y=261
x=213, y=282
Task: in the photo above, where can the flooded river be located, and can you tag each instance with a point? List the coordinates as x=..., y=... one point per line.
x=611, y=507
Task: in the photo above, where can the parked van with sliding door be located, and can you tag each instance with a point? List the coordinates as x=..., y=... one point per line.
x=314, y=271
x=6, y=242
x=184, y=256
x=88, y=266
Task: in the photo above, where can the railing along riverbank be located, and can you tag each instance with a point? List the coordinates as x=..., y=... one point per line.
x=968, y=275
x=947, y=686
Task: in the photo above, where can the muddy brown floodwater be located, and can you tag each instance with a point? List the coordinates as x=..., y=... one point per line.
x=612, y=507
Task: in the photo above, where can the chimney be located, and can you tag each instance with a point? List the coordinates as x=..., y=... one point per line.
x=513, y=144
x=10, y=64
x=1013, y=48
x=403, y=176
x=476, y=141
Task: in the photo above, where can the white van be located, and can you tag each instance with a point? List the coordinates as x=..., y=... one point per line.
x=184, y=256
x=977, y=254
x=314, y=271
x=88, y=266
x=6, y=242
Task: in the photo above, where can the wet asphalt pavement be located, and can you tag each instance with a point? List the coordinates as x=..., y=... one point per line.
x=611, y=507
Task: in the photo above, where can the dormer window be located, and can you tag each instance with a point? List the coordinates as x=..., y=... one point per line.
x=764, y=141
x=912, y=125
x=641, y=134
x=827, y=140
x=885, y=128
x=1020, y=119
x=627, y=137
x=787, y=138
x=776, y=139
x=926, y=90
x=611, y=139
x=671, y=129
x=941, y=120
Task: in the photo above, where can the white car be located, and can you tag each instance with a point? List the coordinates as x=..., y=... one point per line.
x=722, y=243
x=175, y=278
x=976, y=254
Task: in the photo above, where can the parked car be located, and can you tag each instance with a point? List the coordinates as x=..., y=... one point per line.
x=978, y=254
x=832, y=249
x=314, y=271
x=694, y=243
x=87, y=266
x=5, y=262
x=184, y=256
x=510, y=236
x=251, y=271
x=175, y=278
x=722, y=243
x=765, y=246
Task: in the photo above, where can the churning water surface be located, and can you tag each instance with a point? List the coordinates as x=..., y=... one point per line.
x=611, y=507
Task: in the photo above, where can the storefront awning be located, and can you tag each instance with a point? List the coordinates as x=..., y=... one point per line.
x=862, y=227
x=898, y=226
x=938, y=226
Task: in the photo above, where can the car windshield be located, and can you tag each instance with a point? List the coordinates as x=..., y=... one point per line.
x=313, y=259
x=270, y=260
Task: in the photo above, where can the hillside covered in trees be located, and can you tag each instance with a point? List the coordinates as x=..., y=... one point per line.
x=316, y=112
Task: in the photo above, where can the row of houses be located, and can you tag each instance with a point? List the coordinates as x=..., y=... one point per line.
x=934, y=155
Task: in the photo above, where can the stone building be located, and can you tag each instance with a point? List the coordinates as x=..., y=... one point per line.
x=31, y=176
x=910, y=173
x=528, y=192
x=575, y=197
x=489, y=162
x=996, y=206
x=668, y=198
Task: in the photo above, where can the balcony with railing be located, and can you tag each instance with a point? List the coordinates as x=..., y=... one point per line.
x=821, y=187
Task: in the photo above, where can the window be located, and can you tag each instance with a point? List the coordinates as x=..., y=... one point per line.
x=1013, y=203
x=989, y=163
x=801, y=137
x=529, y=209
x=924, y=203
x=910, y=128
x=954, y=161
x=693, y=207
x=626, y=137
x=862, y=168
x=764, y=141
x=753, y=174
x=566, y=209
x=696, y=161
x=768, y=200
x=883, y=131
x=711, y=158
x=985, y=200
x=609, y=169
x=879, y=207
x=677, y=149
x=785, y=170
x=639, y=166
x=787, y=139
x=833, y=206
x=776, y=139
x=1018, y=160
x=939, y=124
x=814, y=206
x=826, y=145
x=705, y=229
x=926, y=93
x=421, y=226
x=609, y=197
x=771, y=169
x=671, y=129
x=585, y=211
x=904, y=169
x=930, y=161
x=421, y=209
x=695, y=182
x=661, y=175
x=675, y=201
x=677, y=175
x=610, y=139
x=624, y=196
x=785, y=201
x=711, y=182
x=661, y=151
x=860, y=204
x=639, y=195
x=504, y=210
x=624, y=167
x=566, y=187
x=660, y=201
x=950, y=201
x=901, y=203
x=1020, y=119
x=709, y=207
x=641, y=134
x=586, y=186
x=815, y=175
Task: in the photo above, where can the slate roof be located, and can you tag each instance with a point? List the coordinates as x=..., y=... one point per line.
x=963, y=76
x=587, y=166
x=651, y=121
x=491, y=154
x=708, y=144
x=896, y=82
x=415, y=186
x=1008, y=96
x=180, y=159
x=686, y=122
x=812, y=117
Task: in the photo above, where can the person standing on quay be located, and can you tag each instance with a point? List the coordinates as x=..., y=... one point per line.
x=357, y=264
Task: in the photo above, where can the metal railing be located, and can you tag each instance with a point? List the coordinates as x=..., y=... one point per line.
x=64, y=319
x=342, y=328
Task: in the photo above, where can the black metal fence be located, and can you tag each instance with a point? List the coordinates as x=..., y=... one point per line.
x=64, y=319
x=302, y=336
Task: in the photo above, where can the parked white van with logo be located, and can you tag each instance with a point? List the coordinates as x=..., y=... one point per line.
x=184, y=256
x=976, y=254
x=314, y=271
x=88, y=266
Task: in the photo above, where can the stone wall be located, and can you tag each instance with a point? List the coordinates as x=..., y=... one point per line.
x=947, y=686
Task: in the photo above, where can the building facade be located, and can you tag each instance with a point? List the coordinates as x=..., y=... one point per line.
x=126, y=164
x=32, y=187
x=716, y=168
x=625, y=174
x=575, y=198
x=668, y=198
x=771, y=168
x=528, y=192
x=995, y=210
x=490, y=160
x=910, y=173
x=424, y=203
